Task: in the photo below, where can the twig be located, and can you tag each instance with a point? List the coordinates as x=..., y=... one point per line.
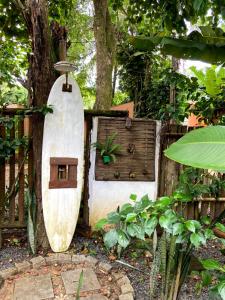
x=130, y=266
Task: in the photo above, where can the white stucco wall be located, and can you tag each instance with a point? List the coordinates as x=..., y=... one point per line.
x=106, y=196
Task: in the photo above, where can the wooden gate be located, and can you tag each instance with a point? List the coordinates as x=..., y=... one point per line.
x=15, y=172
x=169, y=172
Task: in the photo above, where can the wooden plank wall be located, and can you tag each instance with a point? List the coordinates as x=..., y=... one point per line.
x=169, y=172
x=15, y=177
x=136, y=159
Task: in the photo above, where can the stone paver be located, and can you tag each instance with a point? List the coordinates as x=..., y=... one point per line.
x=126, y=297
x=23, y=266
x=71, y=279
x=91, y=260
x=78, y=259
x=64, y=258
x=37, y=262
x=123, y=280
x=105, y=267
x=39, y=287
x=8, y=272
x=94, y=297
x=52, y=259
x=117, y=275
x=127, y=288
x=35, y=288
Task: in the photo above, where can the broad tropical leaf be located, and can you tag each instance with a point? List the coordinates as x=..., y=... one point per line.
x=208, y=47
x=201, y=148
x=211, y=264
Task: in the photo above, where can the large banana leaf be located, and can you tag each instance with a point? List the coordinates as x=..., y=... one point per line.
x=201, y=148
x=210, y=49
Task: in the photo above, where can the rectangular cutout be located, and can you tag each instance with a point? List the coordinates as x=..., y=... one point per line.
x=63, y=172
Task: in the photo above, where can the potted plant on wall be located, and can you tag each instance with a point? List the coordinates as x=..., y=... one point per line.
x=108, y=149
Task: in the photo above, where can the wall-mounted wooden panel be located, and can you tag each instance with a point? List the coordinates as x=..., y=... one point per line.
x=136, y=160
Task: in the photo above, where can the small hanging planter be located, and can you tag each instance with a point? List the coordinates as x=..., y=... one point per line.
x=108, y=149
x=106, y=159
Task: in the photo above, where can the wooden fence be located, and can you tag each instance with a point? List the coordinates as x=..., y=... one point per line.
x=15, y=175
x=169, y=172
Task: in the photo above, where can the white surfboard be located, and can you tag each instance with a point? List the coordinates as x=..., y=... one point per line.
x=63, y=138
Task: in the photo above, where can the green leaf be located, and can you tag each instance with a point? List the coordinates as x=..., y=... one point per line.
x=220, y=226
x=135, y=230
x=113, y=218
x=192, y=225
x=178, y=228
x=197, y=4
x=208, y=233
x=133, y=197
x=31, y=203
x=165, y=222
x=123, y=239
x=206, y=49
x=100, y=224
x=200, y=148
x=150, y=225
x=206, y=220
x=131, y=217
x=111, y=238
x=221, y=289
x=80, y=283
x=211, y=264
x=126, y=209
x=163, y=202
x=222, y=241
x=177, y=195
x=197, y=239
x=206, y=278
x=142, y=204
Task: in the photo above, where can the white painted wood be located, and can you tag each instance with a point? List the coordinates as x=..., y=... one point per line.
x=106, y=196
x=63, y=137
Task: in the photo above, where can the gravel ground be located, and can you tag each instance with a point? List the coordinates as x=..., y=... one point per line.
x=15, y=249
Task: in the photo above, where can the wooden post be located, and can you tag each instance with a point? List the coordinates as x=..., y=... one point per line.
x=12, y=162
x=62, y=50
x=21, y=174
x=2, y=185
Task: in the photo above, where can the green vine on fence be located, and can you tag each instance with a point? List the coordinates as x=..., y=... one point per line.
x=9, y=145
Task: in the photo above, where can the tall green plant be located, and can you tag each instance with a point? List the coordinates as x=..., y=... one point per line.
x=210, y=144
x=209, y=105
x=31, y=219
x=174, y=249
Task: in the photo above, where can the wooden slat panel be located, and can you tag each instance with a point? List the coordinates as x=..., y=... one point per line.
x=136, y=166
x=30, y=156
x=21, y=174
x=12, y=181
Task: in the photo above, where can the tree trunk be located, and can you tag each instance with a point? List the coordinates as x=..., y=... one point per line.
x=105, y=54
x=42, y=78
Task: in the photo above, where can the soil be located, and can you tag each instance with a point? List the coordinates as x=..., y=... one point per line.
x=15, y=250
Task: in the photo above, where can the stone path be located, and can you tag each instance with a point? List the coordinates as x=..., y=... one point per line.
x=57, y=277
